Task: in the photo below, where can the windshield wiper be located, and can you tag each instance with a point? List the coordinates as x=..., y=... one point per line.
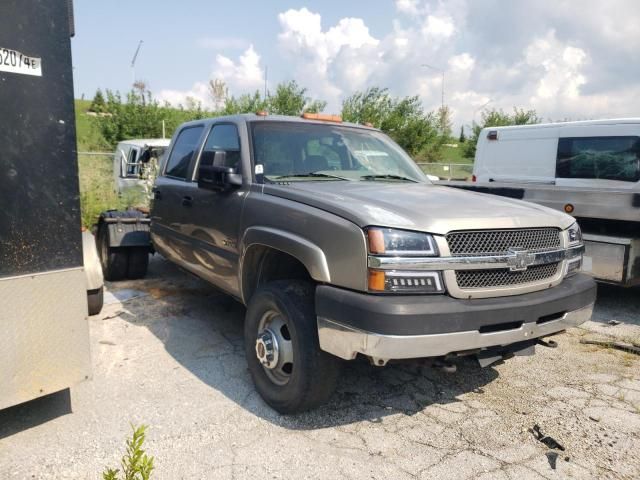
x=387, y=176
x=310, y=174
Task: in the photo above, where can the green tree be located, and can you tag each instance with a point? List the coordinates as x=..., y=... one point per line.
x=289, y=99
x=141, y=116
x=462, y=137
x=292, y=99
x=98, y=103
x=402, y=118
x=219, y=93
x=443, y=119
x=498, y=118
x=246, y=103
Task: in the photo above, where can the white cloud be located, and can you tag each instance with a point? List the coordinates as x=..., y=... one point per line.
x=461, y=62
x=438, y=27
x=546, y=55
x=198, y=93
x=408, y=6
x=242, y=75
x=315, y=51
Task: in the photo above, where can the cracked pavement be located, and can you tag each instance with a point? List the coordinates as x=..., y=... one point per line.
x=173, y=359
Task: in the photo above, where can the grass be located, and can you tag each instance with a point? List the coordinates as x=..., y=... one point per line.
x=454, y=154
x=89, y=137
x=97, y=187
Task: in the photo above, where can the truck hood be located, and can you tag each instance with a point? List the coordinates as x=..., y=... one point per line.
x=418, y=206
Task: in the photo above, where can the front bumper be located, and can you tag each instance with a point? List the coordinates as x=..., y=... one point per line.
x=401, y=327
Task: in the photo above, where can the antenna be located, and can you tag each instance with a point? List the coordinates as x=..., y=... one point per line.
x=133, y=62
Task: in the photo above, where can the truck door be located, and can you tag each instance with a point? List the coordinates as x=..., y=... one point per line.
x=167, y=211
x=212, y=217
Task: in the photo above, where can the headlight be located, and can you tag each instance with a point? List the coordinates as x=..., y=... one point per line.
x=574, y=234
x=392, y=242
x=574, y=237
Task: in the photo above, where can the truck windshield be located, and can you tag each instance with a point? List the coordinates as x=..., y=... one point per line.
x=292, y=151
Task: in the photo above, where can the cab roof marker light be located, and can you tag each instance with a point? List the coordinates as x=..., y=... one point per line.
x=322, y=116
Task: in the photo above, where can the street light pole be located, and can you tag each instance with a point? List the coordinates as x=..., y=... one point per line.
x=437, y=70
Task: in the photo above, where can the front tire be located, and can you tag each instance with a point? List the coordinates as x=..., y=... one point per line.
x=288, y=368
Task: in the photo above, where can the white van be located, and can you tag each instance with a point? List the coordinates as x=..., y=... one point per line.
x=588, y=169
x=595, y=153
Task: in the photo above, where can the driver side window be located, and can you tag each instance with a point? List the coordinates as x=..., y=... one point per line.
x=222, y=138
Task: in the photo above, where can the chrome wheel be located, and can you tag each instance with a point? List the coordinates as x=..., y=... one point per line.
x=274, y=349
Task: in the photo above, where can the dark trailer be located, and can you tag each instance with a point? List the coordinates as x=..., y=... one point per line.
x=44, y=346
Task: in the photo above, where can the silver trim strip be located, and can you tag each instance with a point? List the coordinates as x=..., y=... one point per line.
x=470, y=263
x=346, y=342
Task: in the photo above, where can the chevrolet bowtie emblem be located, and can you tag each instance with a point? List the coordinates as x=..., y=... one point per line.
x=520, y=259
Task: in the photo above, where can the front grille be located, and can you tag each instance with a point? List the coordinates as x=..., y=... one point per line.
x=502, y=277
x=498, y=242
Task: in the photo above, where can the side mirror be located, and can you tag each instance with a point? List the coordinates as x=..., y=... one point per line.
x=217, y=177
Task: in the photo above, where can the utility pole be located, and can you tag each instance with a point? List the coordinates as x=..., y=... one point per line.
x=437, y=70
x=133, y=63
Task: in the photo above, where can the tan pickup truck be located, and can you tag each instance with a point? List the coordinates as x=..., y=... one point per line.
x=340, y=246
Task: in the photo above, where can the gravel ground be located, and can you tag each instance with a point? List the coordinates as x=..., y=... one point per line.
x=173, y=359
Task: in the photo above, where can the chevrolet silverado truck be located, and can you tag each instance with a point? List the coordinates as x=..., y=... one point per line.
x=339, y=246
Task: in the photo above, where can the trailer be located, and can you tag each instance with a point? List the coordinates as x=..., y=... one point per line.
x=50, y=276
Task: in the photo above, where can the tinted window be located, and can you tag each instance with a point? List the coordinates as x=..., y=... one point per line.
x=609, y=158
x=296, y=149
x=182, y=152
x=223, y=138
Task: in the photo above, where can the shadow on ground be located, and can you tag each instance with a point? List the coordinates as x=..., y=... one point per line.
x=203, y=330
x=36, y=412
x=617, y=303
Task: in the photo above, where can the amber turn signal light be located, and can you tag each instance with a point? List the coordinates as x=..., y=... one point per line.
x=322, y=116
x=376, y=280
x=376, y=241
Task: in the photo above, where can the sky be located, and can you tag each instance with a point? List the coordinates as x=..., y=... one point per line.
x=568, y=60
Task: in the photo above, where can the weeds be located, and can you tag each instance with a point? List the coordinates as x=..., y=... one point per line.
x=97, y=189
x=135, y=464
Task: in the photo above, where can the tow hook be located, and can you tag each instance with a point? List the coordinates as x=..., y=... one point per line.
x=490, y=356
x=547, y=343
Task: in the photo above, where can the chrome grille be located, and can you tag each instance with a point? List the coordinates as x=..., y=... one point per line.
x=502, y=277
x=497, y=242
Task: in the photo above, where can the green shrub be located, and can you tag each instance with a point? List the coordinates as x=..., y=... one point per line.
x=135, y=464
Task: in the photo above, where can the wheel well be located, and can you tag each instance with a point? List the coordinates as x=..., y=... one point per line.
x=263, y=264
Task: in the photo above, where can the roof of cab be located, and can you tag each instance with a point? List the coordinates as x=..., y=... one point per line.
x=147, y=142
x=252, y=117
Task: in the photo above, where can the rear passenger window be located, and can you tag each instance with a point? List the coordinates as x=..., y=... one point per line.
x=607, y=158
x=182, y=152
x=223, y=138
